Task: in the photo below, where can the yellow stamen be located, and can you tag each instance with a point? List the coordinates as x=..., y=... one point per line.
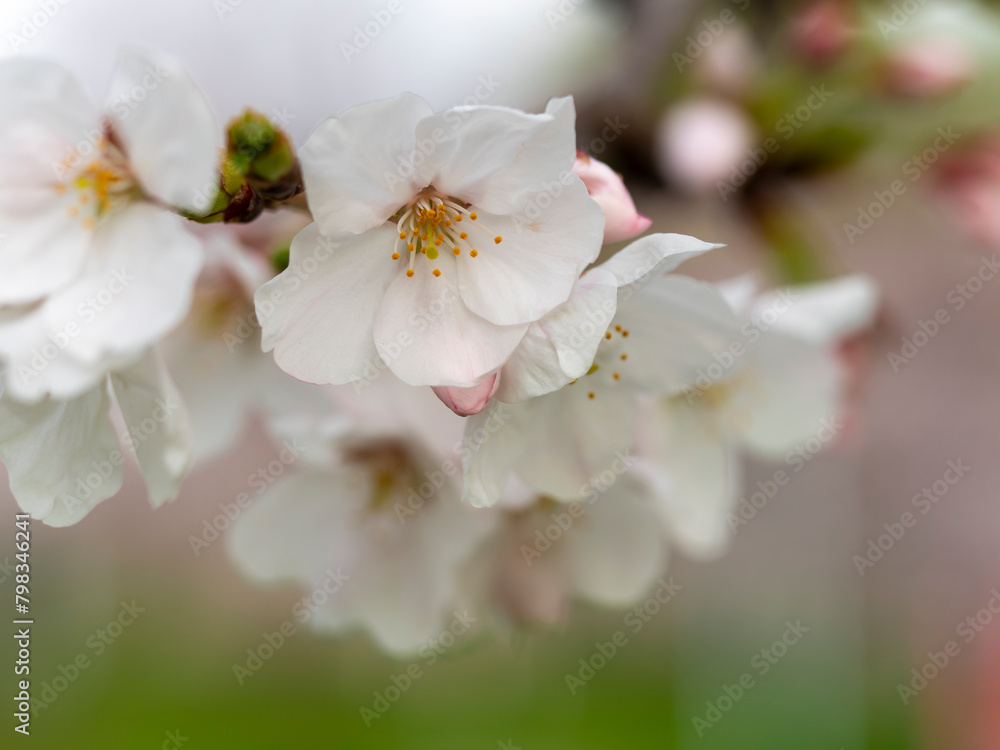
x=473, y=253
x=395, y=256
x=498, y=240
x=410, y=273
x=437, y=271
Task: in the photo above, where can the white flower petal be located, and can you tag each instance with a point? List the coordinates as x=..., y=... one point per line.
x=740, y=292
x=157, y=425
x=560, y=347
x=616, y=550
x=677, y=327
x=318, y=314
x=46, y=123
x=654, y=254
x=493, y=157
x=574, y=438
x=534, y=268
x=40, y=364
x=427, y=335
x=48, y=96
x=825, y=312
x=62, y=456
x=358, y=167
x=40, y=252
x=784, y=395
x=167, y=127
x=701, y=483
x=298, y=526
x=494, y=440
x=217, y=384
x=135, y=288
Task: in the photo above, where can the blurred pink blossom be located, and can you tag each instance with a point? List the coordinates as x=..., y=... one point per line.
x=968, y=182
x=702, y=142
x=928, y=68
x=822, y=30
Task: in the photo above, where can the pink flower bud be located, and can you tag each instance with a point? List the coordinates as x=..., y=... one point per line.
x=622, y=220
x=466, y=401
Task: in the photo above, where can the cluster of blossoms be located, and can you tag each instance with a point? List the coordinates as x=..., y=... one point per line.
x=488, y=410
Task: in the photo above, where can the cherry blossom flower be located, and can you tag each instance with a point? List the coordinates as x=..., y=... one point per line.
x=605, y=548
x=214, y=355
x=787, y=391
x=574, y=382
x=438, y=239
x=93, y=269
x=63, y=456
x=384, y=515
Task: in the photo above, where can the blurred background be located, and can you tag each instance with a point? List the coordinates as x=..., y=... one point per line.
x=814, y=138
